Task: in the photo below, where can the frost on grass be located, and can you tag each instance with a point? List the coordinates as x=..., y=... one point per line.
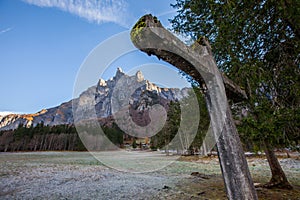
x=78, y=175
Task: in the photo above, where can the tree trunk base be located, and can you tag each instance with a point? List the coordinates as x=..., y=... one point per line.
x=278, y=179
x=276, y=184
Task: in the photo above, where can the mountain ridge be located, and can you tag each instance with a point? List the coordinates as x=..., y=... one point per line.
x=147, y=93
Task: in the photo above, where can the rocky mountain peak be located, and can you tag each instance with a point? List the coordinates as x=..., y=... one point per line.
x=100, y=96
x=119, y=73
x=102, y=82
x=139, y=76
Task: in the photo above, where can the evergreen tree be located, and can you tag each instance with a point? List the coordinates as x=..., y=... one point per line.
x=134, y=144
x=256, y=43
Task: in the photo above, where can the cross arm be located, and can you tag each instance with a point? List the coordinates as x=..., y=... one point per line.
x=233, y=91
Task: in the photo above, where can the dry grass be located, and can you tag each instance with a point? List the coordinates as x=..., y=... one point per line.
x=78, y=175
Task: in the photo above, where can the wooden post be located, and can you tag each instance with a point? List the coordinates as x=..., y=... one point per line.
x=149, y=36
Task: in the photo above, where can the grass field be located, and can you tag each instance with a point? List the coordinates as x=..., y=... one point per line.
x=78, y=175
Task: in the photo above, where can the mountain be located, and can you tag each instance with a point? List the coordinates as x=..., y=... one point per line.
x=4, y=113
x=102, y=99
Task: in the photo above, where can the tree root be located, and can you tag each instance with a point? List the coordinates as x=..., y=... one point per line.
x=278, y=184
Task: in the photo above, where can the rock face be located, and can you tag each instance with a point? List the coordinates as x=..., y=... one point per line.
x=101, y=97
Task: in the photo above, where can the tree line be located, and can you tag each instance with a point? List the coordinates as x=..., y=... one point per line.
x=51, y=138
x=41, y=138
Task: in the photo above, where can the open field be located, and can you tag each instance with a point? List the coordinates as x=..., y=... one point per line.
x=78, y=175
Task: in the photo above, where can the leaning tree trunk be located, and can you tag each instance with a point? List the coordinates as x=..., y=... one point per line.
x=149, y=36
x=278, y=179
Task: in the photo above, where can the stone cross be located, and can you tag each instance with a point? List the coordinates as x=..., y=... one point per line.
x=196, y=60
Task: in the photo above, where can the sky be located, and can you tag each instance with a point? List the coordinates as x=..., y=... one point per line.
x=44, y=45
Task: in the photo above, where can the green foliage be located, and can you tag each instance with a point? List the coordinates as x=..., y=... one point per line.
x=257, y=44
x=238, y=35
x=41, y=137
x=134, y=144
x=20, y=132
x=281, y=128
x=204, y=119
x=114, y=134
x=165, y=136
x=170, y=128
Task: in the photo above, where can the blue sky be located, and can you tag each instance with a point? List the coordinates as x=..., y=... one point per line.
x=43, y=44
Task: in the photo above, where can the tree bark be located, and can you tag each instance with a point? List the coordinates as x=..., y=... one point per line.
x=278, y=179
